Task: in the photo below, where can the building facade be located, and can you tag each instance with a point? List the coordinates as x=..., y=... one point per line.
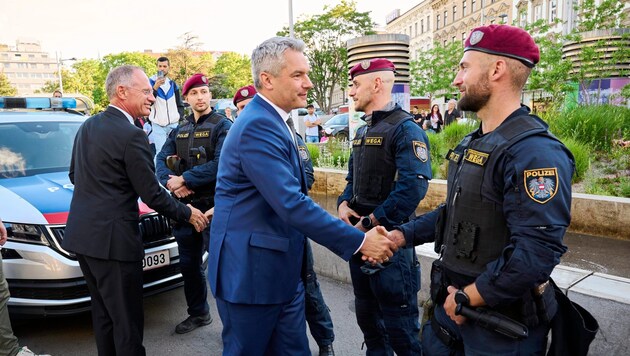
x=26, y=66
x=417, y=23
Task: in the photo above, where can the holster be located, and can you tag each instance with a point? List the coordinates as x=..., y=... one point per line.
x=439, y=285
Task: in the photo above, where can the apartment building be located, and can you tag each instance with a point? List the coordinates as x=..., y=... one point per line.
x=26, y=66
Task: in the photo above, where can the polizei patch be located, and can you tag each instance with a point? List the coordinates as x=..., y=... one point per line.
x=541, y=184
x=420, y=149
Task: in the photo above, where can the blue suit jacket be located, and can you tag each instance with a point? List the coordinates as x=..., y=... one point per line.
x=262, y=213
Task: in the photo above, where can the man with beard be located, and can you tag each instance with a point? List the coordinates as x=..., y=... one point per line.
x=508, y=206
x=389, y=172
x=187, y=165
x=499, y=234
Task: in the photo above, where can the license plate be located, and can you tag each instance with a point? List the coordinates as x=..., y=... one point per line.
x=155, y=260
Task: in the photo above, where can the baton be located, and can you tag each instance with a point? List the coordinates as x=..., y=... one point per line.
x=494, y=321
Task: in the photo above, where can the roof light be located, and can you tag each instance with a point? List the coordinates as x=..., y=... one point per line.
x=37, y=103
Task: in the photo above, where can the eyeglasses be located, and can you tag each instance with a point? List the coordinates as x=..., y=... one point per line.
x=146, y=92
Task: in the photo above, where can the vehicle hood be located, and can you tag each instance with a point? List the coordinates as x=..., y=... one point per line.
x=39, y=199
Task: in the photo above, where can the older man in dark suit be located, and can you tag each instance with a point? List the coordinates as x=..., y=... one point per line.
x=111, y=167
x=263, y=215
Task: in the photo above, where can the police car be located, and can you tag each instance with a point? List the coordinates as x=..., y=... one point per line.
x=36, y=139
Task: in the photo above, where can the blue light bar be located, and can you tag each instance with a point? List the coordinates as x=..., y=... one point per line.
x=8, y=102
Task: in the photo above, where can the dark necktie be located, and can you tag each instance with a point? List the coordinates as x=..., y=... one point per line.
x=292, y=128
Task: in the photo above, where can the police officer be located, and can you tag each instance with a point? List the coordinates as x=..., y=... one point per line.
x=389, y=170
x=508, y=206
x=317, y=312
x=187, y=166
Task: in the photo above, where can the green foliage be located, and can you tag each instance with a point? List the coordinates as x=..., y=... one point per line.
x=325, y=36
x=595, y=126
x=582, y=155
x=453, y=134
x=434, y=70
x=6, y=89
x=334, y=154
x=313, y=149
x=600, y=14
x=234, y=71
x=617, y=186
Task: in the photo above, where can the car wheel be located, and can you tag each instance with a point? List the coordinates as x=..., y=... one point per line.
x=341, y=136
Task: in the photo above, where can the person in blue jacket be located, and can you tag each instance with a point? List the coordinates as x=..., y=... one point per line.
x=187, y=166
x=499, y=234
x=388, y=174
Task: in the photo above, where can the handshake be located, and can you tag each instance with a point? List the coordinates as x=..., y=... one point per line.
x=380, y=244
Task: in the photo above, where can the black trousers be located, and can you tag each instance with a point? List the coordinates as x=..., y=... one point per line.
x=117, y=309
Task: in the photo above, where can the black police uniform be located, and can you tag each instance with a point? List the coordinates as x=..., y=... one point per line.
x=507, y=209
x=389, y=169
x=198, y=146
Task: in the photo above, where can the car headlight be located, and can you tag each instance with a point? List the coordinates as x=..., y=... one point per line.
x=26, y=233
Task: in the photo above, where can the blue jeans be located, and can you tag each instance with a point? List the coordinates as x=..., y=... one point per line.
x=317, y=312
x=312, y=139
x=481, y=341
x=160, y=134
x=386, y=304
x=191, y=245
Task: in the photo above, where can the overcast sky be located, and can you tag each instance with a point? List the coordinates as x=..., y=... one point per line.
x=93, y=28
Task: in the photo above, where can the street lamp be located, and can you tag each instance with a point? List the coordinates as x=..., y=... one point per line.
x=59, y=64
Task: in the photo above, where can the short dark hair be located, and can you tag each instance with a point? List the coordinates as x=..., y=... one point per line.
x=310, y=106
x=163, y=59
x=415, y=106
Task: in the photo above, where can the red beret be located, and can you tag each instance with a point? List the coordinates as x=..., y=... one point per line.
x=504, y=40
x=243, y=93
x=197, y=80
x=372, y=65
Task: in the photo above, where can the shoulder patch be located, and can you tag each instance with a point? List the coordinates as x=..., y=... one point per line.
x=541, y=184
x=420, y=149
x=303, y=153
x=476, y=157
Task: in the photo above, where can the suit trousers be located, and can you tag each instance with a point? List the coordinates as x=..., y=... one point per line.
x=264, y=329
x=117, y=309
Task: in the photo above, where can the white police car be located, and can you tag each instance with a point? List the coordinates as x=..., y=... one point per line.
x=36, y=139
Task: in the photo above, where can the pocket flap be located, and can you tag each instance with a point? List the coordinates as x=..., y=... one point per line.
x=272, y=242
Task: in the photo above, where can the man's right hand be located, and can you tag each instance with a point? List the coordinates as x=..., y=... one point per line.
x=377, y=248
x=345, y=212
x=197, y=219
x=159, y=82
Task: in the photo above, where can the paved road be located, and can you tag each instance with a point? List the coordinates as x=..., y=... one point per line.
x=73, y=335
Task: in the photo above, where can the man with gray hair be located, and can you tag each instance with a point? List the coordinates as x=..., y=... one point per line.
x=111, y=167
x=452, y=114
x=262, y=215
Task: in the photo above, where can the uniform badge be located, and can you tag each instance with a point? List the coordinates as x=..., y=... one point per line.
x=365, y=65
x=420, y=149
x=303, y=153
x=204, y=79
x=541, y=184
x=475, y=37
x=244, y=92
x=476, y=157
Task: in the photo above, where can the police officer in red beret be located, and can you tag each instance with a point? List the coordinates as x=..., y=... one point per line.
x=500, y=231
x=389, y=170
x=187, y=166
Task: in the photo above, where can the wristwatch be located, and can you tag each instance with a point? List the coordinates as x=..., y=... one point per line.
x=366, y=222
x=462, y=298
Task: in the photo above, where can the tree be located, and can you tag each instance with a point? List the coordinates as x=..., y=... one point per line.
x=232, y=71
x=433, y=72
x=325, y=36
x=6, y=89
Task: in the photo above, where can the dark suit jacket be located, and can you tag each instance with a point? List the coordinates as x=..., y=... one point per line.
x=111, y=166
x=262, y=213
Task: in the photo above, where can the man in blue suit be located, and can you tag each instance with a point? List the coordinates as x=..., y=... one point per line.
x=262, y=215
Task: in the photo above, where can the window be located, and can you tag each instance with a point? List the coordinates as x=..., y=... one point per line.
x=474, y=5
x=428, y=22
x=416, y=29
x=463, y=36
x=537, y=12
x=454, y=13
x=32, y=56
x=464, y=8
x=44, y=56
x=33, y=65
x=18, y=55
x=453, y=39
x=437, y=22
x=422, y=25
x=444, y=43
x=5, y=55
x=445, y=17
x=523, y=18
x=409, y=30
x=553, y=13
x=7, y=65
x=21, y=65
x=46, y=65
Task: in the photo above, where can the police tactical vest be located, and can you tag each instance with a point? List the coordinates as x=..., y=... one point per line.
x=373, y=155
x=475, y=231
x=195, y=145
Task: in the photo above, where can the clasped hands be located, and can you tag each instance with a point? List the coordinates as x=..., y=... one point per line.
x=177, y=186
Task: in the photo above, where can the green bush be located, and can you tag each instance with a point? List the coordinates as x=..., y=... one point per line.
x=453, y=134
x=313, y=149
x=335, y=154
x=582, y=155
x=593, y=125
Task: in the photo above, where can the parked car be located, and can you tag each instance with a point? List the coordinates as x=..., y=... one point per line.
x=36, y=140
x=337, y=126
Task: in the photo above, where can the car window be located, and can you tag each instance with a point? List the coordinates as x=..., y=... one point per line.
x=29, y=148
x=341, y=119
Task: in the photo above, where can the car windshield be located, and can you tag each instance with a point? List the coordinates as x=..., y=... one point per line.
x=29, y=148
x=341, y=119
